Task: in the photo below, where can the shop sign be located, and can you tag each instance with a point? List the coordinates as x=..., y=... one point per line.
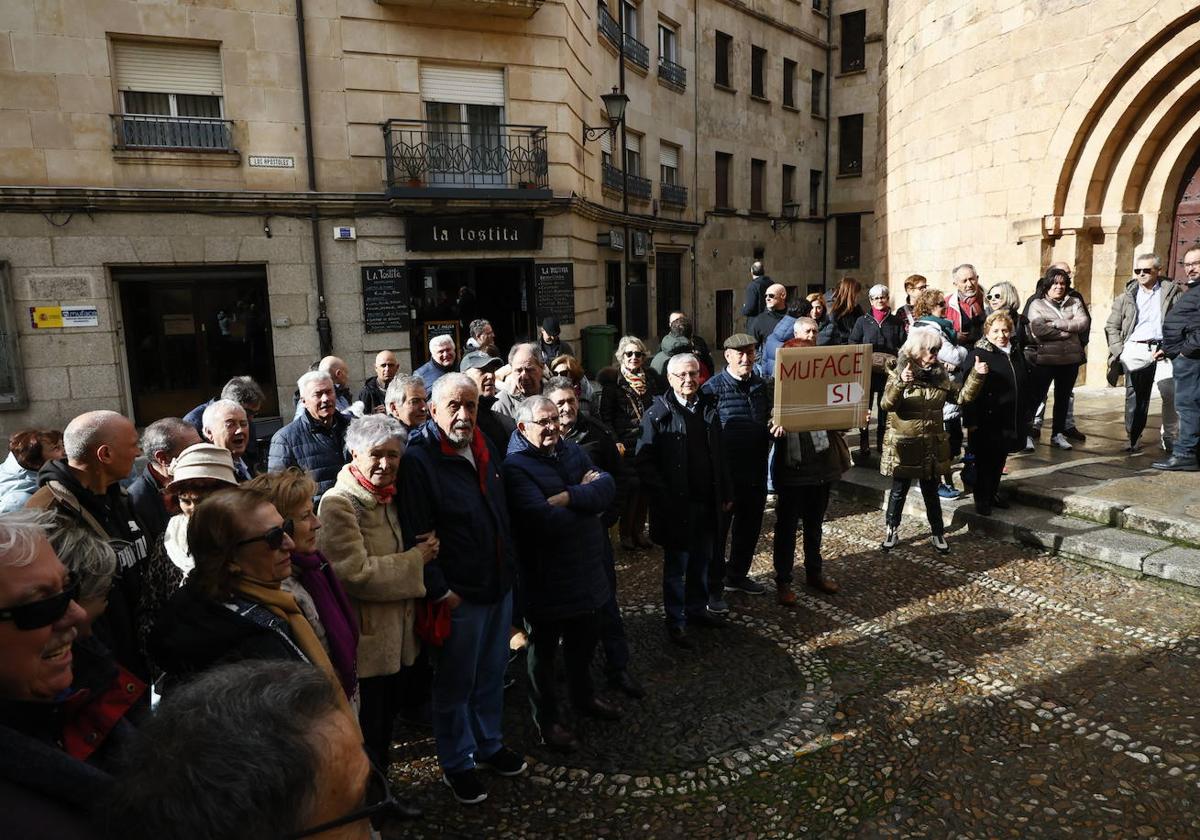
x=385, y=298
x=613, y=238
x=54, y=317
x=471, y=233
x=554, y=291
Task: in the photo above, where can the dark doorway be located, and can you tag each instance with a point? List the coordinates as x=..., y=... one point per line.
x=1186, y=231
x=612, y=295
x=667, y=288
x=187, y=331
x=447, y=296
x=724, y=301
x=637, y=302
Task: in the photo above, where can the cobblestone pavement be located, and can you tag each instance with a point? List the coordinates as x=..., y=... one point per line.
x=993, y=692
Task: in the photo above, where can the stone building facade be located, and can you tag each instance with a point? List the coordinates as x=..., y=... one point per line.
x=201, y=196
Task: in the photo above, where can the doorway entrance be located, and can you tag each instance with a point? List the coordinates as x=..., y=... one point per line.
x=1186, y=231
x=667, y=283
x=448, y=296
x=188, y=331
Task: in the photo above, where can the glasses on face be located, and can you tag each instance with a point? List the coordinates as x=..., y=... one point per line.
x=1143, y=271
x=686, y=374
x=995, y=296
x=547, y=423
x=1193, y=264
x=562, y=372
x=273, y=538
x=43, y=613
x=378, y=800
x=879, y=297
x=633, y=354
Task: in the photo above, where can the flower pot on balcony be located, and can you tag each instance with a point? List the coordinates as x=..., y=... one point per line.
x=526, y=185
x=413, y=182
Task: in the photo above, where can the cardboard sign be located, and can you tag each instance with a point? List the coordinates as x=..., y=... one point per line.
x=818, y=388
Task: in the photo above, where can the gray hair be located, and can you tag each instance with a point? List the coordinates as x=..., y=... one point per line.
x=215, y=408
x=311, y=378
x=1008, y=294
x=629, y=341
x=530, y=404
x=371, y=430
x=450, y=382
x=397, y=389
x=960, y=267
x=804, y=321
x=251, y=735
x=516, y=348
x=86, y=432
x=1142, y=257
x=244, y=391
x=21, y=531
x=89, y=558
x=166, y=435
x=879, y=289
x=559, y=383
x=680, y=360
x=922, y=339
x=477, y=327
x=440, y=339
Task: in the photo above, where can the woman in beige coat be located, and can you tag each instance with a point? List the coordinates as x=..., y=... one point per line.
x=360, y=534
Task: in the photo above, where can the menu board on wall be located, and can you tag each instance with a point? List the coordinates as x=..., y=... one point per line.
x=385, y=298
x=554, y=291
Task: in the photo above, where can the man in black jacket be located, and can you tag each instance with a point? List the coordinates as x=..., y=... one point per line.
x=1181, y=343
x=496, y=427
x=373, y=395
x=162, y=441
x=756, y=291
x=680, y=463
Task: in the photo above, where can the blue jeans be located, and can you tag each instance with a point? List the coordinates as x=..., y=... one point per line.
x=1187, y=405
x=468, y=684
x=685, y=572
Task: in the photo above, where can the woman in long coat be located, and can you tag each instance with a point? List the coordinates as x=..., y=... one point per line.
x=916, y=445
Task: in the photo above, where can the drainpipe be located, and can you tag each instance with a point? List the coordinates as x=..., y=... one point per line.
x=828, y=122
x=624, y=161
x=324, y=328
x=695, y=153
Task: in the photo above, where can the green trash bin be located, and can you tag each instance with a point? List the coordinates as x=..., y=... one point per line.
x=599, y=344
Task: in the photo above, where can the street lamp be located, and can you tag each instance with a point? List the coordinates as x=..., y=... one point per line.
x=614, y=106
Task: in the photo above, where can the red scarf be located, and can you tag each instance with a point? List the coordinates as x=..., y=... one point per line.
x=382, y=494
x=479, y=449
x=878, y=314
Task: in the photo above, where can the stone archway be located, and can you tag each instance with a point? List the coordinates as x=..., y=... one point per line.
x=1185, y=228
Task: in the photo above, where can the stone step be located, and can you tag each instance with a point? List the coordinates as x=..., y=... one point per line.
x=1043, y=526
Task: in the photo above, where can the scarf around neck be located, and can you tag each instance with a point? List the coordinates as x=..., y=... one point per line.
x=636, y=380
x=335, y=611
x=383, y=495
x=879, y=314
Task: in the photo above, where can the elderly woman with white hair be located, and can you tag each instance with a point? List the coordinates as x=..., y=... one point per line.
x=361, y=535
x=916, y=445
x=885, y=333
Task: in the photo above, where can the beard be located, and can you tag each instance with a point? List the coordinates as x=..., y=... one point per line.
x=459, y=434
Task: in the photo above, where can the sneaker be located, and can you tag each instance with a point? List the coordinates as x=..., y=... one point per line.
x=718, y=605
x=1030, y=444
x=1060, y=441
x=505, y=762
x=1074, y=434
x=939, y=542
x=890, y=539
x=746, y=585
x=947, y=491
x=466, y=786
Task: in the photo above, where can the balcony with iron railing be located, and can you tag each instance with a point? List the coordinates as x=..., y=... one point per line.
x=639, y=188
x=635, y=51
x=167, y=133
x=450, y=159
x=672, y=73
x=673, y=194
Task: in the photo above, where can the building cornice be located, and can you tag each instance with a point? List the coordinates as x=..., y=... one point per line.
x=778, y=24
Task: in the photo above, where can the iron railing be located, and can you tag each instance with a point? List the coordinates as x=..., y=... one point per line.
x=639, y=187
x=143, y=131
x=423, y=154
x=672, y=73
x=635, y=50
x=673, y=194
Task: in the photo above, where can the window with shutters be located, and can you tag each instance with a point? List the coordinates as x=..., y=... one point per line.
x=758, y=177
x=465, y=110
x=850, y=144
x=633, y=153
x=854, y=41
x=670, y=190
x=758, y=72
x=818, y=96
x=724, y=163
x=847, y=249
x=721, y=59
x=171, y=97
x=789, y=83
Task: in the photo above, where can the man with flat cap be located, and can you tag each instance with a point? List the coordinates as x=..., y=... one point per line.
x=481, y=367
x=744, y=400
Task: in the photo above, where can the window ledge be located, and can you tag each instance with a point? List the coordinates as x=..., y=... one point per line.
x=759, y=214
x=849, y=174
x=761, y=99
x=862, y=71
x=725, y=88
x=791, y=108
x=817, y=116
x=723, y=211
x=180, y=157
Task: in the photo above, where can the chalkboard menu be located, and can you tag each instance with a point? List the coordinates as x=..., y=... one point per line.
x=385, y=298
x=436, y=328
x=554, y=291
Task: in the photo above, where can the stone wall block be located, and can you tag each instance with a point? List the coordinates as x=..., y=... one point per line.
x=91, y=381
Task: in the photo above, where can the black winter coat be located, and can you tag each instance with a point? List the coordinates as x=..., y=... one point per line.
x=622, y=408
x=1181, y=327
x=1003, y=411
x=837, y=330
x=372, y=395
x=560, y=550
x=883, y=337
x=598, y=443
x=662, y=463
x=147, y=500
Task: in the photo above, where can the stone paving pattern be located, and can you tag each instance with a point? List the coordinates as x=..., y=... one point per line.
x=995, y=692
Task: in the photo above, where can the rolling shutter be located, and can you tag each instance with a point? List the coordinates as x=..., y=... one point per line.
x=606, y=142
x=463, y=85
x=167, y=68
x=668, y=156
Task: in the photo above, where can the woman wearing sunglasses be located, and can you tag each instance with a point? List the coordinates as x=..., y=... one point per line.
x=625, y=398
x=232, y=607
x=360, y=534
x=585, y=392
x=1004, y=297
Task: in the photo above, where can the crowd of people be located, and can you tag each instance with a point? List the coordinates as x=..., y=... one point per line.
x=393, y=549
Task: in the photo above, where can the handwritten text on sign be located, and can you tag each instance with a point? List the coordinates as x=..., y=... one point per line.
x=820, y=388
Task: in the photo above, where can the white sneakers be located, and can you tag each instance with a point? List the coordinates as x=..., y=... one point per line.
x=890, y=539
x=1030, y=444
x=939, y=542
x=1060, y=441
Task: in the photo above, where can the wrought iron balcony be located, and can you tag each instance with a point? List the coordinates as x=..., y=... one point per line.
x=144, y=131
x=672, y=73
x=635, y=50
x=498, y=160
x=673, y=194
x=639, y=187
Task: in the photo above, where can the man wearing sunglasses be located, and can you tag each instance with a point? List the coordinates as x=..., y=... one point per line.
x=44, y=791
x=1134, y=331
